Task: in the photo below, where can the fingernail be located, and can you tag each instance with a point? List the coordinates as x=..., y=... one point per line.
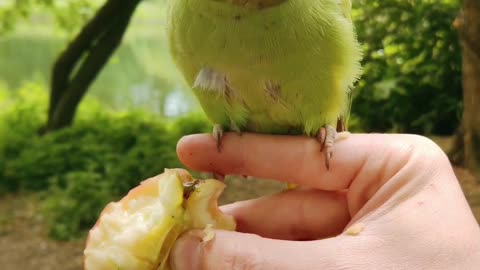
x=186, y=252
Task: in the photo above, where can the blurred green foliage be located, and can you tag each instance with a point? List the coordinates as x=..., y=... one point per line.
x=139, y=75
x=68, y=14
x=412, y=66
x=83, y=167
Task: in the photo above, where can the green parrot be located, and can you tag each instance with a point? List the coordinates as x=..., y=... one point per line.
x=268, y=66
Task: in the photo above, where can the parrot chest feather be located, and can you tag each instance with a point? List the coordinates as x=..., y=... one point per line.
x=273, y=91
x=269, y=70
x=215, y=82
x=255, y=4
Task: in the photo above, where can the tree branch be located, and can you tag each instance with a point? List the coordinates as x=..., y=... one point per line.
x=66, y=62
x=69, y=89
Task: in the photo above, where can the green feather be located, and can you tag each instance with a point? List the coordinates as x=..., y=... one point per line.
x=285, y=69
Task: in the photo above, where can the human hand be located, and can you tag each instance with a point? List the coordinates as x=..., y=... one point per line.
x=387, y=202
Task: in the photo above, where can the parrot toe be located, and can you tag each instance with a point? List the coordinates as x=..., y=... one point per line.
x=326, y=137
x=218, y=134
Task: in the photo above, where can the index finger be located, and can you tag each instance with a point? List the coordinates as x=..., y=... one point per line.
x=298, y=159
x=292, y=159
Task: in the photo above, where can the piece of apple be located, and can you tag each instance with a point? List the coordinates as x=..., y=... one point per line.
x=138, y=232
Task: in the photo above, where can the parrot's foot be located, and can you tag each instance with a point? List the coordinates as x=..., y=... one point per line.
x=218, y=134
x=327, y=136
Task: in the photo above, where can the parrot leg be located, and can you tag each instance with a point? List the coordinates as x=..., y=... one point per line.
x=326, y=137
x=217, y=135
x=234, y=127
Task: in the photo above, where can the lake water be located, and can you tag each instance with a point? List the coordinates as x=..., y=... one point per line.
x=140, y=75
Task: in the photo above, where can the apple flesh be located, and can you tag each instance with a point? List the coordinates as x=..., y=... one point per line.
x=138, y=232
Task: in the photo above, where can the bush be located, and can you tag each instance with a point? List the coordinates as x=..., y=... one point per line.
x=105, y=145
x=20, y=117
x=82, y=167
x=412, y=66
x=74, y=201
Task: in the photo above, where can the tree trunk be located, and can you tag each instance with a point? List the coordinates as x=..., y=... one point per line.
x=78, y=66
x=468, y=137
x=457, y=151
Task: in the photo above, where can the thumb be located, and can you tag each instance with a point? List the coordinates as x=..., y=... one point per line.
x=376, y=247
x=234, y=250
x=228, y=250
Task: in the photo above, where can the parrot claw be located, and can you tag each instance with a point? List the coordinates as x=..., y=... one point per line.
x=326, y=137
x=218, y=134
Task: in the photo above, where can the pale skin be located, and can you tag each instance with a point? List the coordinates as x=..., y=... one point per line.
x=387, y=202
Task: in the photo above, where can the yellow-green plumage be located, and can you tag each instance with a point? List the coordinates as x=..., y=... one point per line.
x=282, y=69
